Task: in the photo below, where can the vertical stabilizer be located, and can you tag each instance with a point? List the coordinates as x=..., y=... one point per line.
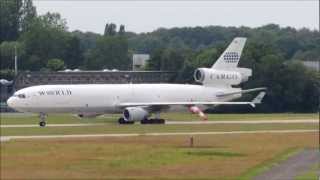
x=231, y=56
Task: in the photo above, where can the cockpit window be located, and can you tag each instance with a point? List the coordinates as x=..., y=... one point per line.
x=22, y=96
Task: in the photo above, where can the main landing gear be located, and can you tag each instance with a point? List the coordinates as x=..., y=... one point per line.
x=42, y=122
x=145, y=121
x=122, y=121
x=156, y=120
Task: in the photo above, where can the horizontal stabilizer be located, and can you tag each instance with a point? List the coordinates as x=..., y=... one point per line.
x=259, y=98
x=242, y=91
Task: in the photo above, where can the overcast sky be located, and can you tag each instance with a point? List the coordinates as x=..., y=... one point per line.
x=146, y=16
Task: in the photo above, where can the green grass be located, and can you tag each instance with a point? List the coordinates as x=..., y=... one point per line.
x=109, y=159
x=312, y=174
x=210, y=152
x=137, y=128
x=146, y=157
x=20, y=118
x=266, y=165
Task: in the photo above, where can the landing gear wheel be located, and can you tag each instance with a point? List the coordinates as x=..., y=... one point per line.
x=145, y=121
x=42, y=124
x=122, y=121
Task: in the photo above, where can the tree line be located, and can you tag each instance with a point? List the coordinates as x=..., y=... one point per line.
x=274, y=53
x=44, y=43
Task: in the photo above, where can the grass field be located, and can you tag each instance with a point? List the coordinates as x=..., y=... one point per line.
x=233, y=156
x=20, y=118
x=213, y=157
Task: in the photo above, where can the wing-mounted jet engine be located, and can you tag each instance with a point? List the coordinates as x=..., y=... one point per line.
x=132, y=114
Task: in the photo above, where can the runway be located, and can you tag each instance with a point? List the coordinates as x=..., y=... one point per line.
x=8, y=138
x=247, y=122
x=176, y=122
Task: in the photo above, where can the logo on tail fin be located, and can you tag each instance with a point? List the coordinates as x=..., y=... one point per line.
x=231, y=57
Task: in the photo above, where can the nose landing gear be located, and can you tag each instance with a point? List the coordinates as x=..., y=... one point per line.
x=42, y=122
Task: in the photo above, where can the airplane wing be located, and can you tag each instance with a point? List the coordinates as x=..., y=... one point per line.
x=256, y=100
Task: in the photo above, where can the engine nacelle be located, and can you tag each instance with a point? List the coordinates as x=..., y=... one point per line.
x=135, y=114
x=220, y=77
x=88, y=115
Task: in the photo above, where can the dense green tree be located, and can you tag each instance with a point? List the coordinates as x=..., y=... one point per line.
x=7, y=74
x=110, y=52
x=87, y=40
x=10, y=12
x=55, y=64
x=121, y=30
x=15, y=15
x=110, y=29
x=291, y=87
x=73, y=53
x=167, y=59
x=7, y=53
x=28, y=14
x=45, y=39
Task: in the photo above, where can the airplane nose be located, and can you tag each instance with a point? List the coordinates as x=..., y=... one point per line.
x=10, y=102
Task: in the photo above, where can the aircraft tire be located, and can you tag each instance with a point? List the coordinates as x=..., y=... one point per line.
x=42, y=124
x=122, y=121
x=145, y=121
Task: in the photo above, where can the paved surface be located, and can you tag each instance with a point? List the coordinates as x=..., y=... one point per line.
x=179, y=122
x=7, y=138
x=246, y=122
x=293, y=166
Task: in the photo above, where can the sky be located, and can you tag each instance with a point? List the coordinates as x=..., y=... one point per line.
x=147, y=16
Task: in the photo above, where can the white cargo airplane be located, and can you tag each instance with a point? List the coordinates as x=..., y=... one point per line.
x=138, y=101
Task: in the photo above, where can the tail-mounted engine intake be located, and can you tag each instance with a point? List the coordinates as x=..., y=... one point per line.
x=232, y=76
x=135, y=114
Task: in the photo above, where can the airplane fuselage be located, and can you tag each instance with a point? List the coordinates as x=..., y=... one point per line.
x=104, y=98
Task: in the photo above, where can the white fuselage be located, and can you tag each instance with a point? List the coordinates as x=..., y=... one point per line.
x=104, y=98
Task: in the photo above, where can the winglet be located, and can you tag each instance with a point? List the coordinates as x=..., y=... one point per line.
x=258, y=99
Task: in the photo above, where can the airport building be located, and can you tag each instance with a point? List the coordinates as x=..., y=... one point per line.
x=313, y=65
x=139, y=61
